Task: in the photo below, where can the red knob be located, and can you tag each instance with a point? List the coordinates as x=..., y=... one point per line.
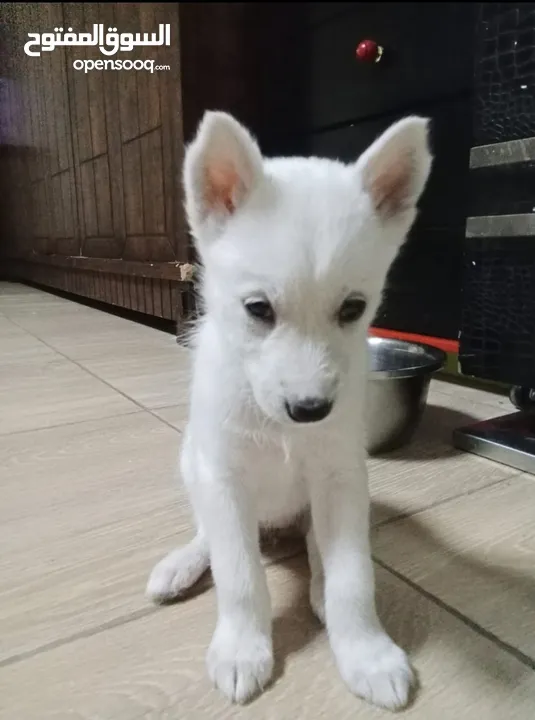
x=369, y=51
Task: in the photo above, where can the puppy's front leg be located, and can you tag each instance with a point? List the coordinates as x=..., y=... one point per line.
x=370, y=663
x=240, y=658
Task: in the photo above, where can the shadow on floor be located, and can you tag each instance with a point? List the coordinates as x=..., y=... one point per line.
x=405, y=608
x=487, y=580
x=433, y=438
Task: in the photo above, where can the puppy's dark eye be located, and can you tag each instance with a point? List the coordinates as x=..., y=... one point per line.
x=351, y=310
x=260, y=310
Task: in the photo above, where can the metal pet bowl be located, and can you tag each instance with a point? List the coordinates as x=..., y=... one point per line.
x=400, y=374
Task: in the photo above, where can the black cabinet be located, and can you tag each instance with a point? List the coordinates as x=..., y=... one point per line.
x=426, y=69
x=504, y=72
x=426, y=57
x=320, y=100
x=423, y=293
x=497, y=339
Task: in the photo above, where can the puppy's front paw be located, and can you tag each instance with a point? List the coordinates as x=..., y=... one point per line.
x=240, y=664
x=377, y=670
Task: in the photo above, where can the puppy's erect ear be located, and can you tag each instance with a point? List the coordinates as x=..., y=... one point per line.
x=394, y=170
x=221, y=168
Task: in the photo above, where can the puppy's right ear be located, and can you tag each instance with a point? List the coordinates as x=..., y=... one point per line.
x=221, y=168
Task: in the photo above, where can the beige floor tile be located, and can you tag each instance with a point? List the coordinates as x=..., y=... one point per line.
x=11, y=288
x=52, y=315
x=48, y=390
x=153, y=377
x=466, y=396
x=476, y=553
x=8, y=330
x=153, y=667
x=144, y=363
x=404, y=486
x=81, y=332
x=15, y=295
x=16, y=344
x=73, y=328
x=472, y=403
x=140, y=361
x=33, y=305
x=86, y=511
x=125, y=342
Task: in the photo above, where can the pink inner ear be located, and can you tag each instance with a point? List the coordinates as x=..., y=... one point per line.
x=390, y=186
x=222, y=182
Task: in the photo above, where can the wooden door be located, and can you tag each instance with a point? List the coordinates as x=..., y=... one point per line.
x=127, y=141
x=104, y=151
x=40, y=191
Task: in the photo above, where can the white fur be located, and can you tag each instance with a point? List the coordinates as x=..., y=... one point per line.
x=303, y=234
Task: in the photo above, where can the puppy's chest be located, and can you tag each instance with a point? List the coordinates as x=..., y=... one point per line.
x=275, y=477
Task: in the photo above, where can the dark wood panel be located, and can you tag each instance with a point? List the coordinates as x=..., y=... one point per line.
x=128, y=106
x=157, y=299
x=89, y=201
x=149, y=90
x=163, y=288
x=175, y=272
x=102, y=247
x=47, y=12
x=101, y=169
x=56, y=195
x=153, y=186
x=68, y=205
x=145, y=248
x=126, y=291
x=133, y=189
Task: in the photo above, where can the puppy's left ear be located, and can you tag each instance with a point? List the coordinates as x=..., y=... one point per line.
x=394, y=170
x=221, y=168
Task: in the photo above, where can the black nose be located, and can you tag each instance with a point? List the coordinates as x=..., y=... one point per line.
x=309, y=410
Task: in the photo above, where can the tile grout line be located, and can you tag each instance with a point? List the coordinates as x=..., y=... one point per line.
x=68, y=424
x=27, y=332
x=165, y=422
x=116, y=622
x=475, y=627
x=82, y=635
x=405, y=516
x=482, y=403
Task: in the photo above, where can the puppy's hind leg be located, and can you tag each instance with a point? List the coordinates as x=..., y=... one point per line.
x=179, y=570
x=317, y=580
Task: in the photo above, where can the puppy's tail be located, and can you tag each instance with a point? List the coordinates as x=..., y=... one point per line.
x=179, y=571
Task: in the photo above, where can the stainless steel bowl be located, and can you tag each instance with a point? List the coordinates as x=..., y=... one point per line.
x=400, y=373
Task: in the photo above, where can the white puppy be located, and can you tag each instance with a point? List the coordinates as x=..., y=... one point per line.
x=295, y=254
